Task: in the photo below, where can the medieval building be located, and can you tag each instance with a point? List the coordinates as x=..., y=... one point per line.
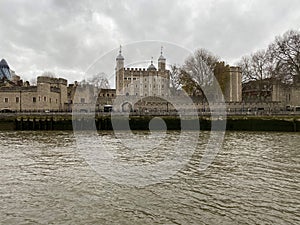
x=142, y=82
x=230, y=81
x=48, y=94
x=287, y=94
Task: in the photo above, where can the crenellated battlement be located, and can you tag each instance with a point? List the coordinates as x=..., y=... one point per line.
x=235, y=69
x=134, y=69
x=51, y=80
x=139, y=81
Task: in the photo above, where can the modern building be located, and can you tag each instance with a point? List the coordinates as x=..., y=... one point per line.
x=4, y=70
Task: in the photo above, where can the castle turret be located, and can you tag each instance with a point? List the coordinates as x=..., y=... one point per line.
x=161, y=61
x=151, y=66
x=230, y=81
x=120, y=73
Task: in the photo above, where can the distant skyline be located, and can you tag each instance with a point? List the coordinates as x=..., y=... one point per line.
x=65, y=36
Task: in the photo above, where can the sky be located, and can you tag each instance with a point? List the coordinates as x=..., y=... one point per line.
x=67, y=36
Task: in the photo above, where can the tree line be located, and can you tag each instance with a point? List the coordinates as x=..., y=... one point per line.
x=279, y=62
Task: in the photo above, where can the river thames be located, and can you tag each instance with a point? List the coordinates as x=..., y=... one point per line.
x=254, y=179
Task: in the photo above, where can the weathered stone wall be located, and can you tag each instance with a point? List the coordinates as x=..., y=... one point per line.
x=49, y=94
x=142, y=82
x=286, y=95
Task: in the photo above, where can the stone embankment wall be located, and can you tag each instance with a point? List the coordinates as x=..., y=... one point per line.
x=103, y=122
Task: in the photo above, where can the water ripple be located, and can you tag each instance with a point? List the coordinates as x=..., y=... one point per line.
x=253, y=180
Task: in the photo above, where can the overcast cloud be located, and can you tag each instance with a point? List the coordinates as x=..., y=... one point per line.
x=66, y=36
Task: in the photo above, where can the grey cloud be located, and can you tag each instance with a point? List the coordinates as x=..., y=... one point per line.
x=67, y=36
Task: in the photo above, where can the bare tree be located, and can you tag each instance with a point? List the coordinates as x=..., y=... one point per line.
x=256, y=66
x=257, y=74
x=175, y=85
x=285, y=51
x=99, y=80
x=33, y=81
x=189, y=85
x=200, y=67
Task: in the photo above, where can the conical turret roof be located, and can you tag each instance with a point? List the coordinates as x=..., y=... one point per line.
x=120, y=57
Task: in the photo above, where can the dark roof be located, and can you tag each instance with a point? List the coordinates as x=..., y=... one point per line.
x=151, y=67
x=120, y=57
x=161, y=57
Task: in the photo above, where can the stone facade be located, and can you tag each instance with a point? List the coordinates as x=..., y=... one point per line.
x=142, y=82
x=106, y=96
x=270, y=90
x=230, y=81
x=50, y=94
x=258, y=91
x=287, y=95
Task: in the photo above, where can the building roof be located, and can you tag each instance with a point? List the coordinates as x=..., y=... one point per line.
x=120, y=57
x=161, y=57
x=151, y=67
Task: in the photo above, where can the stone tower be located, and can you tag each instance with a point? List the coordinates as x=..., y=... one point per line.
x=161, y=61
x=230, y=81
x=120, y=73
x=142, y=82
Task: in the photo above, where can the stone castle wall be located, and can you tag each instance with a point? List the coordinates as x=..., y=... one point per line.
x=142, y=82
x=49, y=94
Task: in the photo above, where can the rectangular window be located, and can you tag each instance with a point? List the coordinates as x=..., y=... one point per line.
x=34, y=99
x=56, y=100
x=82, y=100
x=6, y=100
x=145, y=86
x=17, y=99
x=45, y=99
x=50, y=100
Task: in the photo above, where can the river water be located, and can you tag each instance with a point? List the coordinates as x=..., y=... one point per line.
x=254, y=179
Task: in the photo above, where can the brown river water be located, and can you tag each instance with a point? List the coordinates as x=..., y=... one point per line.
x=254, y=179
